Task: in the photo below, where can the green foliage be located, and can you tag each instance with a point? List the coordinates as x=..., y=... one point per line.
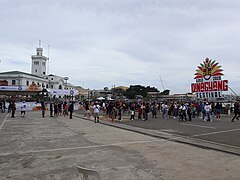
x=134, y=90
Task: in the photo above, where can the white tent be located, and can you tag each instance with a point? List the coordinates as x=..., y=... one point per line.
x=101, y=98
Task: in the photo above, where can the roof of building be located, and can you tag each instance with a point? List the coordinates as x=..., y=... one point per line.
x=122, y=87
x=19, y=73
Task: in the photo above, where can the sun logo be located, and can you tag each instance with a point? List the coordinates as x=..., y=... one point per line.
x=207, y=69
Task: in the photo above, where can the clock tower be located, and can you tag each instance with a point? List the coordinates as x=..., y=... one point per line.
x=39, y=63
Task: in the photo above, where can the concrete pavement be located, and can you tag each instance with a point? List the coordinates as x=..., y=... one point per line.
x=52, y=148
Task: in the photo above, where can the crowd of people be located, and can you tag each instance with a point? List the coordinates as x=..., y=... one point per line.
x=56, y=109
x=141, y=110
x=137, y=110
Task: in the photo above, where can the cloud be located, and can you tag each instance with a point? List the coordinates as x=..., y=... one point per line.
x=106, y=42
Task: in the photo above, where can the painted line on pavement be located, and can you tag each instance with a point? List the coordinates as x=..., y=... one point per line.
x=209, y=127
x=4, y=122
x=81, y=147
x=217, y=132
x=220, y=144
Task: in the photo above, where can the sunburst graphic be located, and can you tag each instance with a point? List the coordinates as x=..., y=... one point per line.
x=207, y=69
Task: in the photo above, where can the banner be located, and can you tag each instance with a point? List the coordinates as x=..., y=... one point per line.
x=61, y=92
x=209, y=83
x=13, y=88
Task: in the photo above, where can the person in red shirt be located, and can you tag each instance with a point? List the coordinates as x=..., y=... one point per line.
x=140, y=111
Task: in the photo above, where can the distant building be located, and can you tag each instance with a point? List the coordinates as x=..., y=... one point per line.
x=175, y=97
x=19, y=82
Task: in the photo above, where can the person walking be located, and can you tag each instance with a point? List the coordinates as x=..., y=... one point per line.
x=43, y=109
x=70, y=109
x=175, y=110
x=51, y=109
x=87, y=110
x=154, y=110
x=189, y=112
x=96, y=110
x=13, y=107
x=165, y=110
x=9, y=107
x=119, y=109
x=65, y=109
x=55, y=108
x=140, y=111
x=218, y=109
x=236, y=111
x=208, y=109
x=1, y=106
x=23, y=109
x=183, y=114
x=132, y=112
x=4, y=106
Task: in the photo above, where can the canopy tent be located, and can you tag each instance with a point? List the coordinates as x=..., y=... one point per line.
x=101, y=98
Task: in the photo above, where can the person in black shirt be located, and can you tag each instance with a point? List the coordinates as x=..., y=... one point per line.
x=51, y=109
x=13, y=107
x=70, y=109
x=43, y=109
x=236, y=111
x=218, y=109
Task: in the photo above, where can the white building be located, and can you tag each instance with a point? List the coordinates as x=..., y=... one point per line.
x=39, y=63
x=17, y=80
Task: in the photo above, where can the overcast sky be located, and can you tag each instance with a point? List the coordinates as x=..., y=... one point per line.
x=99, y=43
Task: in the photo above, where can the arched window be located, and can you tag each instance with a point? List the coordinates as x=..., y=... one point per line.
x=60, y=86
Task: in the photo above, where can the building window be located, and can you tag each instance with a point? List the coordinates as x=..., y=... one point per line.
x=60, y=86
x=43, y=64
x=51, y=86
x=47, y=86
x=13, y=82
x=27, y=83
x=44, y=73
x=51, y=78
x=35, y=70
x=36, y=62
x=43, y=85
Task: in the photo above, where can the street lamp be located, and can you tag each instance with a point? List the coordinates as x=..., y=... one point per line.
x=66, y=79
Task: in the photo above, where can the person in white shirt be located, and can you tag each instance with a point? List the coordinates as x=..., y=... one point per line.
x=182, y=111
x=208, y=109
x=96, y=110
x=23, y=109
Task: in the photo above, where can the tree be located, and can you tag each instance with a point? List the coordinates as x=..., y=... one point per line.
x=134, y=90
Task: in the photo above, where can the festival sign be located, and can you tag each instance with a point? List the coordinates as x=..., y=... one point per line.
x=209, y=82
